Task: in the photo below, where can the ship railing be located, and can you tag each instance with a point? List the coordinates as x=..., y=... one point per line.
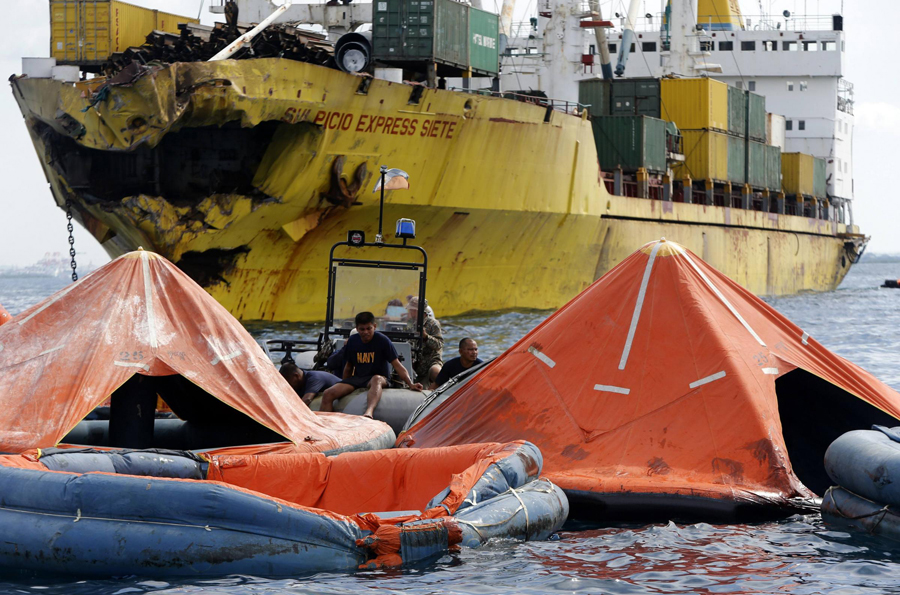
x=559, y=105
x=798, y=22
x=845, y=96
x=652, y=22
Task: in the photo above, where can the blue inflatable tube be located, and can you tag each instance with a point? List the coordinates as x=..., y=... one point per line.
x=867, y=463
x=842, y=507
x=150, y=513
x=115, y=525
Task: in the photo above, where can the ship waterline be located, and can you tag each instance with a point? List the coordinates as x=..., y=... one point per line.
x=245, y=173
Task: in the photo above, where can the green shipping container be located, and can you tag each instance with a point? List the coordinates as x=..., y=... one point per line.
x=756, y=165
x=773, y=168
x=819, y=190
x=638, y=97
x=595, y=93
x=737, y=111
x=631, y=142
x=756, y=119
x=484, y=38
x=453, y=35
x=736, y=152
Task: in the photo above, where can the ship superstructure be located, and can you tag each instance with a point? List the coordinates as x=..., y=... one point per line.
x=797, y=62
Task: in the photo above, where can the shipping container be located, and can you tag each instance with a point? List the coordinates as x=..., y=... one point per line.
x=737, y=151
x=595, y=94
x=819, y=178
x=757, y=173
x=737, y=111
x=695, y=103
x=775, y=130
x=638, y=97
x=797, y=173
x=705, y=155
x=756, y=117
x=454, y=36
x=87, y=32
x=773, y=168
x=630, y=142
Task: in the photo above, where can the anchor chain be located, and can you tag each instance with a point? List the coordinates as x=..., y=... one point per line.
x=71, y=238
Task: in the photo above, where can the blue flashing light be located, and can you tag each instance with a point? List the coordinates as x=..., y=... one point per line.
x=406, y=228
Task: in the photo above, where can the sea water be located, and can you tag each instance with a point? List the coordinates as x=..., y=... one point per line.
x=800, y=554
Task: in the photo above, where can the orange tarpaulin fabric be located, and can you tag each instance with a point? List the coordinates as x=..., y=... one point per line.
x=140, y=314
x=362, y=482
x=659, y=378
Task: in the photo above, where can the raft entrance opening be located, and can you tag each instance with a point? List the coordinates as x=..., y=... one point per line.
x=814, y=413
x=202, y=421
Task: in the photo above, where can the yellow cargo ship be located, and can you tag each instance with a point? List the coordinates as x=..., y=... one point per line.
x=246, y=172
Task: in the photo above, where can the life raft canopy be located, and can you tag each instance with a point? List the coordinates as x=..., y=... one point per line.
x=141, y=325
x=663, y=388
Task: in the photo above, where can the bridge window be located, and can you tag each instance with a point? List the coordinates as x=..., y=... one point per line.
x=829, y=46
x=648, y=46
x=706, y=46
x=789, y=46
x=770, y=46
x=748, y=46
x=612, y=48
x=810, y=46
x=726, y=46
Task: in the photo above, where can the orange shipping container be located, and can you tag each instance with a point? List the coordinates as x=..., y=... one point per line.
x=88, y=31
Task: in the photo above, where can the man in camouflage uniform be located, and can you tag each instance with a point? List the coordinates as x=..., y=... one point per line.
x=426, y=362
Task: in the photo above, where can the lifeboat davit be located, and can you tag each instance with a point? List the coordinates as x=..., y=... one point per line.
x=667, y=389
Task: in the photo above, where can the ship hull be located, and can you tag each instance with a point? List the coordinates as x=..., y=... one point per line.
x=245, y=173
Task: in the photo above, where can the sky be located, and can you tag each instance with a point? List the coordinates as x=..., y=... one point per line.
x=31, y=224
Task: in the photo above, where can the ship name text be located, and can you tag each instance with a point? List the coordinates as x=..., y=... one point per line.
x=399, y=126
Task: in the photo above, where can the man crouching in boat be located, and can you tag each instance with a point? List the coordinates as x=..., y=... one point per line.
x=369, y=356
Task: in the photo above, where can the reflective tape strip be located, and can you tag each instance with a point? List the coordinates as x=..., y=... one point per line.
x=541, y=356
x=707, y=380
x=638, y=305
x=612, y=389
x=148, y=298
x=771, y=371
x=722, y=298
x=52, y=301
x=57, y=348
x=805, y=338
x=132, y=365
x=225, y=358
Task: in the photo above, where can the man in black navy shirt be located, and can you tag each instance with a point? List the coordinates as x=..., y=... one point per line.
x=307, y=384
x=468, y=357
x=369, y=357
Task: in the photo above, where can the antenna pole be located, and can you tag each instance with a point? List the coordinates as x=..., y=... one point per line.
x=378, y=237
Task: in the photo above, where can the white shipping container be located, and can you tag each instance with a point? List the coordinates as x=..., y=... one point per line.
x=775, y=130
x=38, y=68
x=67, y=74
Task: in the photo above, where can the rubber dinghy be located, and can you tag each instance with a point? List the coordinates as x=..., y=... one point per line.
x=87, y=512
x=865, y=465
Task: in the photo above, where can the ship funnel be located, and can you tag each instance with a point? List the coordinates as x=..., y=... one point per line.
x=353, y=51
